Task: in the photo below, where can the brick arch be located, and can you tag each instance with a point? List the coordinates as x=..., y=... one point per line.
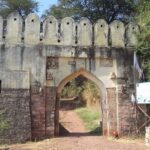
x=103, y=94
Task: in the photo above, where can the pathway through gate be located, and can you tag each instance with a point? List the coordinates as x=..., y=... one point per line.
x=101, y=89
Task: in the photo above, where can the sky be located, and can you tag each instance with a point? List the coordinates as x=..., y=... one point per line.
x=45, y=4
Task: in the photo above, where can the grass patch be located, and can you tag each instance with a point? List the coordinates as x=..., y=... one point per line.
x=91, y=119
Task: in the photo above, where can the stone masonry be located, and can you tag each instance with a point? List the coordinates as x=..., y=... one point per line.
x=37, y=61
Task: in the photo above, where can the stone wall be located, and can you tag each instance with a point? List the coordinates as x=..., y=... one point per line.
x=36, y=56
x=16, y=107
x=43, y=109
x=15, y=102
x=112, y=110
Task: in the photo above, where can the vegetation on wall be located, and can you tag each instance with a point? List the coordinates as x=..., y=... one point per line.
x=143, y=47
x=3, y=122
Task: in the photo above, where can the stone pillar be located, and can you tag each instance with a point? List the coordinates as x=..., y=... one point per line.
x=38, y=112
x=111, y=95
x=50, y=105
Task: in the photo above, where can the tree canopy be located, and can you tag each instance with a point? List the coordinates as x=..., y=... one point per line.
x=24, y=7
x=143, y=47
x=93, y=9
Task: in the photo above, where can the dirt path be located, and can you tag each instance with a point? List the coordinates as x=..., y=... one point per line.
x=70, y=121
x=80, y=141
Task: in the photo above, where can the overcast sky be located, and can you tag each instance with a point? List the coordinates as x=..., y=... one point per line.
x=45, y=4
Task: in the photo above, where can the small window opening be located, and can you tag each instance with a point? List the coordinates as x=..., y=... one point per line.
x=32, y=20
x=117, y=27
x=133, y=28
x=101, y=25
x=50, y=22
x=58, y=41
x=15, y=19
x=68, y=23
x=84, y=24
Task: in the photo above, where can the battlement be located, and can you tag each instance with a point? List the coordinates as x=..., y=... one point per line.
x=66, y=32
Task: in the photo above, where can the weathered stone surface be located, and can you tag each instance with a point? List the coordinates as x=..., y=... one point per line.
x=101, y=33
x=106, y=62
x=14, y=28
x=43, y=101
x=16, y=104
x=84, y=33
x=112, y=120
x=38, y=112
x=117, y=31
x=14, y=79
x=68, y=31
x=50, y=111
x=131, y=34
x=129, y=118
x=32, y=29
x=50, y=30
x=1, y=28
x=47, y=61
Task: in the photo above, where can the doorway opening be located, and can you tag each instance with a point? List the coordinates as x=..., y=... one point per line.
x=80, y=106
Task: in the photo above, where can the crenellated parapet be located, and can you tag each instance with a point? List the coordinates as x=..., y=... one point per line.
x=66, y=32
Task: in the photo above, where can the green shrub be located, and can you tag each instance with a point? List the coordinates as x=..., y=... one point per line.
x=3, y=122
x=91, y=119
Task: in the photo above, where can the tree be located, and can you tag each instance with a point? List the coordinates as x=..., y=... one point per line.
x=143, y=47
x=24, y=7
x=93, y=9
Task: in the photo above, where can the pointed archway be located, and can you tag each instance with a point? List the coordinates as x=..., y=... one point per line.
x=102, y=90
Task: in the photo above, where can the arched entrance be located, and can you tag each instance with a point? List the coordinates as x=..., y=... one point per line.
x=102, y=90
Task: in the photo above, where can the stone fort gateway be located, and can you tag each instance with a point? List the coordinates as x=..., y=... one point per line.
x=38, y=59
